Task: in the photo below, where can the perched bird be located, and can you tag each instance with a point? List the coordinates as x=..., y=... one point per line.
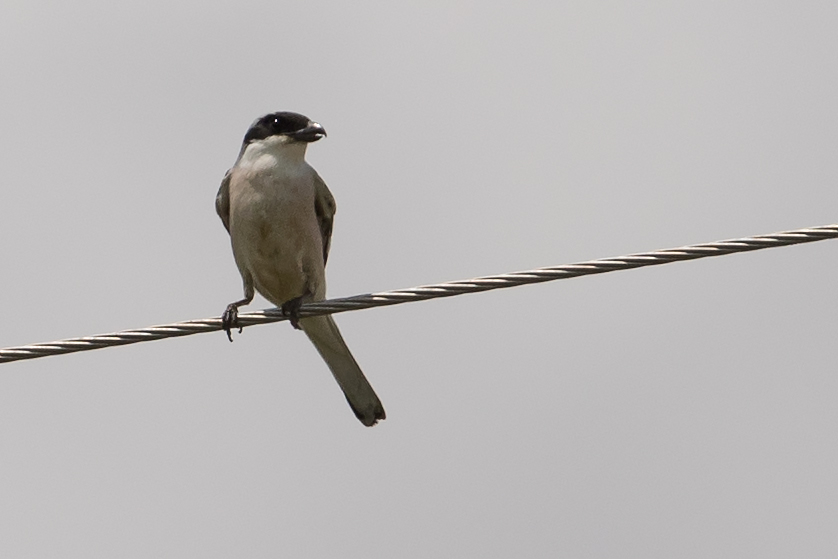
x=279, y=213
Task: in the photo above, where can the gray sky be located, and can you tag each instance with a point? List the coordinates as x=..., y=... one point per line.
x=686, y=410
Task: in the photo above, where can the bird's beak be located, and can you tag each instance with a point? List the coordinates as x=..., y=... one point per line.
x=310, y=133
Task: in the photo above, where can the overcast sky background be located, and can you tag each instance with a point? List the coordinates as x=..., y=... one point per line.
x=686, y=410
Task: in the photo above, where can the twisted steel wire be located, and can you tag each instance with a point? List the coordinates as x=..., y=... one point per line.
x=425, y=292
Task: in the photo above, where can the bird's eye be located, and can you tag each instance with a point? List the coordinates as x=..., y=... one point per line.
x=282, y=125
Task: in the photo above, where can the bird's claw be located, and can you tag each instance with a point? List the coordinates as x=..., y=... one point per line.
x=291, y=310
x=230, y=319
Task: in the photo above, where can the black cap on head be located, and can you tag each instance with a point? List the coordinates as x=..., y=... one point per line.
x=284, y=123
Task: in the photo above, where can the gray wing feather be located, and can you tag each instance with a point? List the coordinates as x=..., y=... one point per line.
x=325, y=208
x=222, y=201
x=324, y=333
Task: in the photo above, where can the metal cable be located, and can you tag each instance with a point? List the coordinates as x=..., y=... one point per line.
x=425, y=292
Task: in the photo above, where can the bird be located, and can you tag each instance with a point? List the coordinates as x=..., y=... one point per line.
x=279, y=215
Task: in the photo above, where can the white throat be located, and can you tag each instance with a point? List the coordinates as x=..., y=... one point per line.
x=283, y=150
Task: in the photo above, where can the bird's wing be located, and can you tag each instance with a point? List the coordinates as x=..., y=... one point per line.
x=324, y=207
x=222, y=201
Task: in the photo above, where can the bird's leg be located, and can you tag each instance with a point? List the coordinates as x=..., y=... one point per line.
x=230, y=318
x=291, y=309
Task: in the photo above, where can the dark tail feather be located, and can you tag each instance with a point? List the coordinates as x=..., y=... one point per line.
x=324, y=334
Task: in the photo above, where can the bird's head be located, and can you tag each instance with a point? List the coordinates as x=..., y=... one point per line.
x=284, y=127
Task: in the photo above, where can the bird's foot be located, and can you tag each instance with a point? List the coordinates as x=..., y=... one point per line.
x=230, y=319
x=291, y=309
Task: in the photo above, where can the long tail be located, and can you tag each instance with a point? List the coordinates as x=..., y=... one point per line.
x=324, y=334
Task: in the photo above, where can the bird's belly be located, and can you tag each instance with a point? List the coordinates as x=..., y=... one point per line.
x=280, y=249
x=280, y=280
